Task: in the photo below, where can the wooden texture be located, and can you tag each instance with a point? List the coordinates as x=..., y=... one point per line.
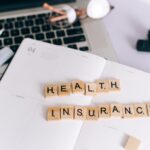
x=53, y=113
x=140, y=110
x=50, y=90
x=104, y=111
x=132, y=143
x=128, y=111
x=78, y=86
x=116, y=110
x=114, y=85
x=67, y=112
x=64, y=89
x=80, y=113
x=102, y=86
x=92, y=113
x=90, y=89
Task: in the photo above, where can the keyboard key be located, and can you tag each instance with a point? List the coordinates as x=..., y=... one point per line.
x=25, y=31
x=35, y=29
x=2, y=20
x=28, y=23
x=19, y=24
x=31, y=16
x=57, y=41
x=74, y=46
x=14, y=32
x=50, y=35
x=21, y=18
x=60, y=33
x=77, y=23
x=1, y=26
x=10, y=19
x=85, y=48
x=5, y=34
x=18, y=39
x=39, y=21
x=74, y=39
x=29, y=36
x=14, y=47
x=55, y=28
x=8, y=25
x=8, y=41
x=39, y=36
x=47, y=41
x=74, y=31
x=41, y=15
x=0, y=43
x=46, y=27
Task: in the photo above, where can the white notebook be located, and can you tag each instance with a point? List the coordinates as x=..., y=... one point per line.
x=37, y=63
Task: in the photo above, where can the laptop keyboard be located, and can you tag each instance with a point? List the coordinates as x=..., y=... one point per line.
x=36, y=27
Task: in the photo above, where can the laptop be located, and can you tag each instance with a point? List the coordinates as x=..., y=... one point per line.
x=27, y=19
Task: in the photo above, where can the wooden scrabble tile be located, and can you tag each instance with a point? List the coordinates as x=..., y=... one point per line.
x=148, y=108
x=132, y=143
x=64, y=89
x=128, y=111
x=116, y=110
x=114, y=85
x=102, y=86
x=92, y=113
x=78, y=86
x=90, y=89
x=67, y=112
x=50, y=90
x=80, y=112
x=53, y=113
x=140, y=110
x=104, y=111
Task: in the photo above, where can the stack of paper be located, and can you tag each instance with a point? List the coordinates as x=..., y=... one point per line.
x=23, y=110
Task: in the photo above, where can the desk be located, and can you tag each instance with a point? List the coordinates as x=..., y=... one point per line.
x=128, y=22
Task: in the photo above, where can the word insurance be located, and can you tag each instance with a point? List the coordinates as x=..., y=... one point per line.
x=78, y=86
x=100, y=111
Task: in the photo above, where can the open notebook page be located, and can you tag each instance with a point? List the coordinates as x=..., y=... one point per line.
x=35, y=64
x=135, y=88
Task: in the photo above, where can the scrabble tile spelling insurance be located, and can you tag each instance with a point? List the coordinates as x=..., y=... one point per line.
x=78, y=86
x=104, y=111
x=128, y=111
x=116, y=110
x=67, y=112
x=53, y=113
x=50, y=91
x=148, y=108
x=64, y=89
x=92, y=113
x=90, y=89
x=102, y=86
x=80, y=112
x=132, y=143
x=114, y=85
x=140, y=110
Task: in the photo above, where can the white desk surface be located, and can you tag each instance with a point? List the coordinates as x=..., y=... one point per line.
x=128, y=22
